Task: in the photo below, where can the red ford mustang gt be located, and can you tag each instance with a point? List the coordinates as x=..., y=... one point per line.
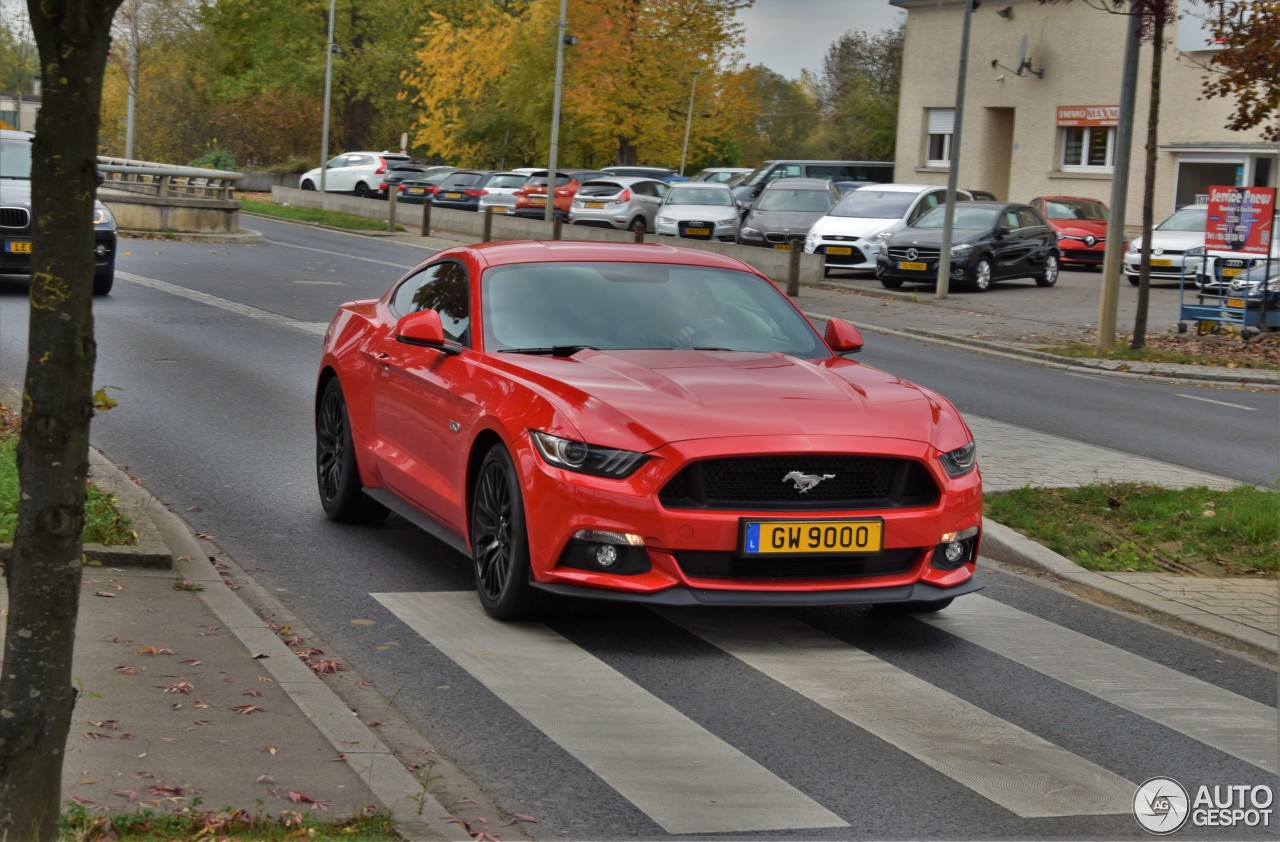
x=644, y=423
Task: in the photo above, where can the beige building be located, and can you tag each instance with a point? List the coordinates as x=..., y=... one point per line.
x=1041, y=103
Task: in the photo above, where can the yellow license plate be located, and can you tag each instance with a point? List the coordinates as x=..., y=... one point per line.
x=698, y=232
x=497, y=208
x=416, y=190
x=783, y=246
x=912, y=267
x=1236, y=302
x=811, y=537
x=1231, y=271
x=1161, y=262
x=839, y=250
x=537, y=200
x=595, y=204
x=17, y=247
x=453, y=195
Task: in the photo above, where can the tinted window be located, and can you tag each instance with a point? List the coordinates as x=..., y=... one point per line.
x=1027, y=218
x=441, y=287
x=1074, y=209
x=600, y=188
x=870, y=203
x=463, y=179
x=506, y=181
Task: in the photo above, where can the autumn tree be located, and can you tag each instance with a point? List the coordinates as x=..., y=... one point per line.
x=783, y=117
x=18, y=66
x=43, y=571
x=857, y=93
x=1248, y=65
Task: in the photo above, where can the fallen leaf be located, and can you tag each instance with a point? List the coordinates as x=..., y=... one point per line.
x=272, y=750
x=97, y=735
x=264, y=779
x=109, y=724
x=153, y=650
x=165, y=790
x=326, y=667
x=125, y=669
x=245, y=710
x=180, y=687
x=199, y=704
x=251, y=693
x=191, y=662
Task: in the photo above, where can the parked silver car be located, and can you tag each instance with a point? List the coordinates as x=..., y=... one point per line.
x=620, y=202
x=500, y=192
x=699, y=210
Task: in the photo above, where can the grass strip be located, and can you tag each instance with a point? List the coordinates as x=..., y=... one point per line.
x=1136, y=527
x=81, y=825
x=1081, y=350
x=315, y=216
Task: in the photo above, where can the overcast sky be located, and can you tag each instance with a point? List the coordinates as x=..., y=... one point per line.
x=788, y=36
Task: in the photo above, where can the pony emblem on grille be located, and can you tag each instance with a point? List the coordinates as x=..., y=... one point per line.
x=806, y=482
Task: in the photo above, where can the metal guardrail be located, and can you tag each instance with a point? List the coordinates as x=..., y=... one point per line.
x=167, y=180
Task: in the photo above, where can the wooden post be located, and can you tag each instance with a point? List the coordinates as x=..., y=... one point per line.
x=426, y=218
x=487, y=234
x=391, y=207
x=555, y=227
x=793, y=267
x=639, y=232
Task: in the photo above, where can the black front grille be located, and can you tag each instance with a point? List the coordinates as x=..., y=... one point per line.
x=922, y=253
x=721, y=565
x=760, y=482
x=1082, y=255
x=14, y=217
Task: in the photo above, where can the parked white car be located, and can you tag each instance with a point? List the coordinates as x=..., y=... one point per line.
x=359, y=173
x=1182, y=232
x=500, y=193
x=852, y=233
x=700, y=210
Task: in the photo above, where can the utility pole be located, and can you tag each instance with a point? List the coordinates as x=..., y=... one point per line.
x=1113, y=257
x=555, y=112
x=688, y=121
x=953, y=172
x=328, y=88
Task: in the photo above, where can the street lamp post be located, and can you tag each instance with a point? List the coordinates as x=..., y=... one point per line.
x=953, y=173
x=328, y=87
x=688, y=121
x=555, y=113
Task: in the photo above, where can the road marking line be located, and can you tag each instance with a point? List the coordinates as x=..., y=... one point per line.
x=1219, y=403
x=319, y=283
x=225, y=304
x=1000, y=761
x=1219, y=718
x=682, y=776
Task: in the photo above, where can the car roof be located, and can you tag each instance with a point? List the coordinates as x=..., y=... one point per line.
x=799, y=184
x=1067, y=199
x=895, y=187
x=610, y=178
x=558, y=251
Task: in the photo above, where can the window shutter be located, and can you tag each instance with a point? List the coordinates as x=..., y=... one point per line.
x=941, y=120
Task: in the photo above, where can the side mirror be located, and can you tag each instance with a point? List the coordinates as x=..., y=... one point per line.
x=423, y=329
x=842, y=337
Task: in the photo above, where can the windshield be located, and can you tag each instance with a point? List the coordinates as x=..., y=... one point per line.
x=507, y=180
x=15, y=158
x=614, y=306
x=794, y=199
x=970, y=219
x=1187, y=219
x=869, y=203
x=693, y=195
x=1074, y=209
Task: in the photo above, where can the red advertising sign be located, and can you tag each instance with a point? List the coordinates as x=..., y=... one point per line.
x=1240, y=219
x=1088, y=115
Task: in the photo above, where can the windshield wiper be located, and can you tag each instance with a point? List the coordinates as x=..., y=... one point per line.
x=551, y=350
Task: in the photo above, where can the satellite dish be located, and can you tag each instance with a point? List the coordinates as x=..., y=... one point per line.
x=1021, y=63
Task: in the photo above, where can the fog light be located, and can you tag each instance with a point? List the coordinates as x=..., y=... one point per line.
x=100, y=250
x=954, y=549
x=955, y=552
x=606, y=555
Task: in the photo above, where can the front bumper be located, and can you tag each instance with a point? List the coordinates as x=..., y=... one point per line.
x=14, y=262
x=691, y=230
x=846, y=254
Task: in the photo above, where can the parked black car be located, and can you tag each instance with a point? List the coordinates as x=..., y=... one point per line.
x=407, y=171
x=786, y=210
x=462, y=190
x=17, y=225
x=991, y=241
x=420, y=190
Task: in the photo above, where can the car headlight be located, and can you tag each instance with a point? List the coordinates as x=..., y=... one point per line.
x=102, y=216
x=1135, y=247
x=961, y=250
x=1194, y=251
x=728, y=221
x=666, y=220
x=751, y=232
x=960, y=461
x=879, y=238
x=587, y=458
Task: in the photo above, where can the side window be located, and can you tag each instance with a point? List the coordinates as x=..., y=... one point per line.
x=340, y=161
x=1009, y=219
x=660, y=189
x=1027, y=218
x=644, y=188
x=927, y=203
x=442, y=287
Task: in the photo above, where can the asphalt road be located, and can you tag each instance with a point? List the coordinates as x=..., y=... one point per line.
x=1021, y=712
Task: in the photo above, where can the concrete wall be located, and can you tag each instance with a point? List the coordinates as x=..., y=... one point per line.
x=771, y=263
x=137, y=212
x=262, y=182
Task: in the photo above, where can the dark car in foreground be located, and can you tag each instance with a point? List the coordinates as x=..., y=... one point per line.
x=647, y=423
x=991, y=241
x=17, y=224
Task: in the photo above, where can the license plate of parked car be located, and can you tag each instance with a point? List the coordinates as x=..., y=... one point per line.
x=595, y=204
x=839, y=250
x=1231, y=271
x=1236, y=302
x=912, y=267
x=783, y=246
x=537, y=200
x=1161, y=262
x=17, y=247
x=698, y=232
x=807, y=537
x=453, y=195
x=417, y=191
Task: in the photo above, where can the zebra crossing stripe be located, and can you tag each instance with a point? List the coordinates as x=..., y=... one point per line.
x=1008, y=765
x=1204, y=712
x=682, y=776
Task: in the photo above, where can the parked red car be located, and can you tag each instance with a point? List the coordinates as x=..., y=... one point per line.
x=1081, y=225
x=531, y=199
x=645, y=423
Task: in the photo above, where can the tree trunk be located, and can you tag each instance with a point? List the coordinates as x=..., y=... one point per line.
x=1149, y=187
x=43, y=573
x=626, y=156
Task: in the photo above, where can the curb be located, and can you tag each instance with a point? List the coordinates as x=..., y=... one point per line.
x=1004, y=544
x=245, y=236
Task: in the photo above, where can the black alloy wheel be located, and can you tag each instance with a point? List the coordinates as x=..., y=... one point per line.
x=500, y=541
x=308, y=185
x=1049, y=274
x=341, y=493
x=103, y=280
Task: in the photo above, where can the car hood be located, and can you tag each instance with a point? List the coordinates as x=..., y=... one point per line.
x=642, y=399
x=852, y=226
x=1179, y=240
x=681, y=213
x=932, y=237
x=1081, y=227
x=800, y=221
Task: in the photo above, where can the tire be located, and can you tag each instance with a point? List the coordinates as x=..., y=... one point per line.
x=637, y=224
x=362, y=191
x=1049, y=276
x=914, y=607
x=337, y=476
x=1134, y=280
x=500, y=541
x=890, y=283
x=982, y=275
x=308, y=185
x=103, y=280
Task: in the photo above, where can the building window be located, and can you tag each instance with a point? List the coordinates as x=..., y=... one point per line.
x=1088, y=148
x=939, y=128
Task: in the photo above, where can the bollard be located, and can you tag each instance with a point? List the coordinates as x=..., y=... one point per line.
x=639, y=232
x=426, y=218
x=391, y=207
x=793, y=267
x=487, y=233
x=555, y=227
